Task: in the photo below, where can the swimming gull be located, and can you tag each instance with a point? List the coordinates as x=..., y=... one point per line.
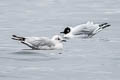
x=87, y=30
x=43, y=43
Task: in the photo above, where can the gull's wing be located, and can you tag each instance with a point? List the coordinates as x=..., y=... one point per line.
x=39, y=41
x=84, y=29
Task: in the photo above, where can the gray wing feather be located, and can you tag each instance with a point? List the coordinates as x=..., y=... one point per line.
x=84, y=29
x=37, y=42
x=81, y=31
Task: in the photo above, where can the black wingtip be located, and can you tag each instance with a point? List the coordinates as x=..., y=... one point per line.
x=106, y=26
x=13, y=39
x=14, y=36
x=103, y=24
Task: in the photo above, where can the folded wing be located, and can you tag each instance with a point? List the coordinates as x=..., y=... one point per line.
x=85, y=29
x=39, y=42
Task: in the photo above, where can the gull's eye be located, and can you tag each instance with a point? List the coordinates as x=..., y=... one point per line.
x=58, y=39
x=68, y=30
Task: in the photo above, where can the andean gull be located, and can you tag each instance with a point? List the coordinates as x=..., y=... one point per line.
x=84, y=30
x=42, y=43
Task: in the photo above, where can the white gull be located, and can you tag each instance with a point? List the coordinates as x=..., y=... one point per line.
x=42, y=43
x=87, y=30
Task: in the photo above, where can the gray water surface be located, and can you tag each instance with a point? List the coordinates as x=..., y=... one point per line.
x=97, y=58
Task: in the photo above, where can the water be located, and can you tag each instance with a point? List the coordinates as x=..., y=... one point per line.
x=81, y=59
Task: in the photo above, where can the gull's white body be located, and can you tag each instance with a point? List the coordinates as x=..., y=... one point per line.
x=42, y=43
x=84, y=30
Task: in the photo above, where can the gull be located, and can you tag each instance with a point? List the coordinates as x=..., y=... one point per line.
x=41, y=43
x=87, y=30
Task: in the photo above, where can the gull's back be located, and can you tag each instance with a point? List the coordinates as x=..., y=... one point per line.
x=84, y=29
x=39, y=41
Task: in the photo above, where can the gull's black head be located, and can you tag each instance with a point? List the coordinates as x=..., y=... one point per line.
x=66, y=30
